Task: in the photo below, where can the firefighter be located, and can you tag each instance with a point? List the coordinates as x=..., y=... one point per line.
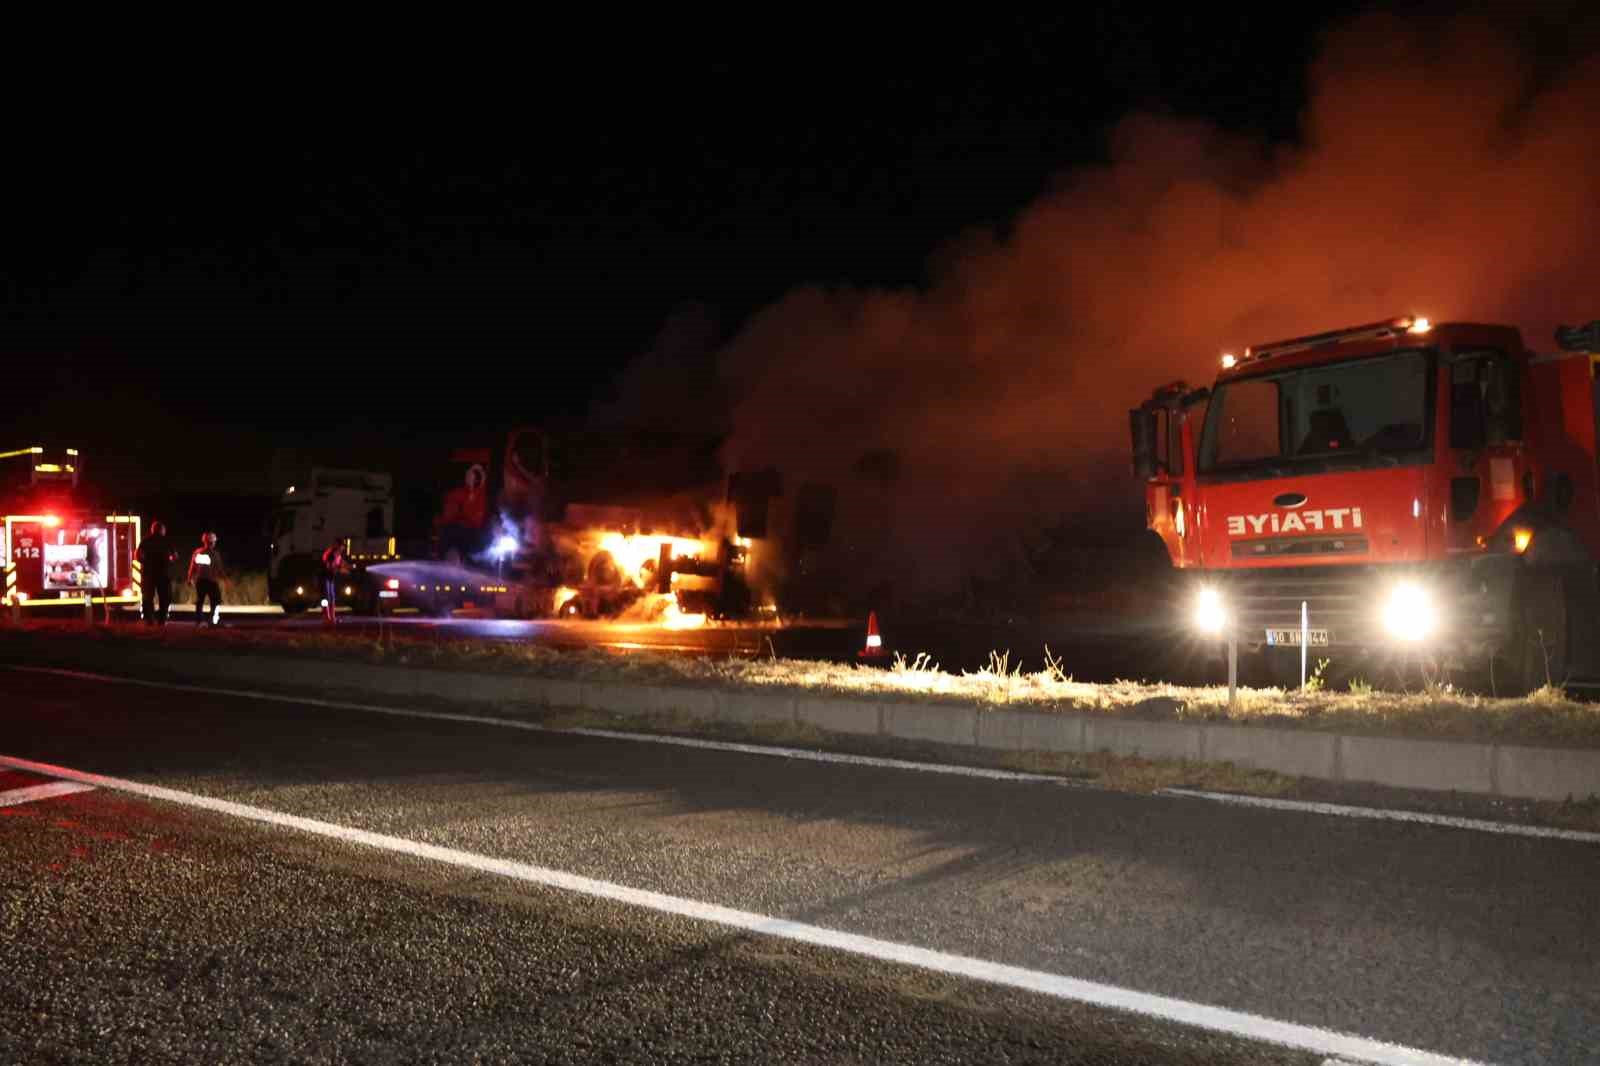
x=459, y=526
x=206, y=575
x=334, y=563
x=156, y=556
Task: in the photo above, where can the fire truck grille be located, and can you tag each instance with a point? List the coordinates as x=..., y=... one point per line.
x=1342, y=603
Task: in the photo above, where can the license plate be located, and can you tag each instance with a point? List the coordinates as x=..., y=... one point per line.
x=1291, y=637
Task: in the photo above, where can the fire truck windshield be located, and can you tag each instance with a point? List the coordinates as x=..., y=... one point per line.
x=1337, y=416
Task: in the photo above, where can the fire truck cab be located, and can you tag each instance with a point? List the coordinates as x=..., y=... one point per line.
x=58, y=549
x=1418, y=487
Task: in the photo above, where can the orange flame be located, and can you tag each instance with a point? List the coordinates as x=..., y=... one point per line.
x=674, y=618
x=633, y=552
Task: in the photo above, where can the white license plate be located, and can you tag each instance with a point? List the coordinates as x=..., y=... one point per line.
x=1291, y=637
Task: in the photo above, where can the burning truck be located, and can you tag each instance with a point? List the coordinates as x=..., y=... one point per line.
x=628, y=526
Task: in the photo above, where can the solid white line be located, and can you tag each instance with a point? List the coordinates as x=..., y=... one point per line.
x=1184, y=1012
x=533, y=727
x=29, y=794
x=1382, y=814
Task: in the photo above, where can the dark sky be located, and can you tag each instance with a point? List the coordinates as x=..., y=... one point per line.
x=377, y=244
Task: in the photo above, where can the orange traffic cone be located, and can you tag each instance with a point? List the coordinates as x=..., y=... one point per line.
x=874, y=647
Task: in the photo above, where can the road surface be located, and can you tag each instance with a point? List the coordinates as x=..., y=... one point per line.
x=439, y=900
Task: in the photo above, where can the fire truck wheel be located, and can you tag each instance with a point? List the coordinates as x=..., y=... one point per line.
x=1537, y=655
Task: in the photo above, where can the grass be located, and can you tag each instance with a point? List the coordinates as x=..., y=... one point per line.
x=1437, y=711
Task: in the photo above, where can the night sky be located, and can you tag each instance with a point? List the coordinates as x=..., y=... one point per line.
x=375, y=244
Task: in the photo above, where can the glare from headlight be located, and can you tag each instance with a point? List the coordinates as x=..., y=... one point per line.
x=1409, y=614
x=1209, y=615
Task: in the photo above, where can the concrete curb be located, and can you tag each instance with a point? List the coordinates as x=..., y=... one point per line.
x=1508, y=770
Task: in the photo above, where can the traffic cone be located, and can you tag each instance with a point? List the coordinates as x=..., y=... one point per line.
x=874, y=645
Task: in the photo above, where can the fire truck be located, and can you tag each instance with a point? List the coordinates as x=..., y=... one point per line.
x=1391, y=492
x=59, y=549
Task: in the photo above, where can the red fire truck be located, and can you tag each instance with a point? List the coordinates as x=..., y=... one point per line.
x=59, y=550
x=1396, y=487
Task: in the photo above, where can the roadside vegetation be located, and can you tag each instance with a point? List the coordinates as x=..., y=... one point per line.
x=1435, y=711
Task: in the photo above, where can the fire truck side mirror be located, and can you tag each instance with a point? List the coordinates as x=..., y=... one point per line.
x=1142, y=424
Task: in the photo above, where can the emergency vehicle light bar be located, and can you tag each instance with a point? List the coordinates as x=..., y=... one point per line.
x=1374, y=331
x=35, y=450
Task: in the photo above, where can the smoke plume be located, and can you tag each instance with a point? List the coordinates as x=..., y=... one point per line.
x=1444, y=169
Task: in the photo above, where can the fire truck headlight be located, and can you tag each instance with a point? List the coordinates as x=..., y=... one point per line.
x=392, y=583
x=1409, y=614
x=1210, y=616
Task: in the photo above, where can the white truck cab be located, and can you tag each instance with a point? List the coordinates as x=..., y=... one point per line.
x=355, y=507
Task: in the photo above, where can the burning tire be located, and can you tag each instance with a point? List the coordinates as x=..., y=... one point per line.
x=604, y=571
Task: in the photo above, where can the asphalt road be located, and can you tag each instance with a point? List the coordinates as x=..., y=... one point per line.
x=139, y=929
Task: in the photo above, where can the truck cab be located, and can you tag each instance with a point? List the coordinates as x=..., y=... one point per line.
x=355, y=507
x=1408, y=487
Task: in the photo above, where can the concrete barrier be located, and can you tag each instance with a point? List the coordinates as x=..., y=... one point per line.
x=854, y=717
x=1546, y=773
x=1489, y=769
x=1439, y=765
x=938, y=723
x=754, y=707
x=1279, y=750
x=1151, y=740
x=1008, y=730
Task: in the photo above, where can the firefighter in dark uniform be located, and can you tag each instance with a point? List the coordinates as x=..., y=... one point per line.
x=156, y=556
x=206, y=575
x=334, y=564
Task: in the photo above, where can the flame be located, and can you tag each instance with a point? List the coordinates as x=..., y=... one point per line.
x=563, y=594
x=632, y=552
x=674, y=618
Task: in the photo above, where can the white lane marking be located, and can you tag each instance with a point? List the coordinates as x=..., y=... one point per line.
x=1385, y=815
x=1199, y=1015
x=533, y=727
x=31, y=793
x=1300, y=806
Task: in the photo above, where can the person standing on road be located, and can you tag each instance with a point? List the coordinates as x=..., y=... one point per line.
x=156, y=556
x=334, y=564
x=206, y=574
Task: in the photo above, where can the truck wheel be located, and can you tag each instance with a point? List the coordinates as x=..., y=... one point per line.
x=1537, y=654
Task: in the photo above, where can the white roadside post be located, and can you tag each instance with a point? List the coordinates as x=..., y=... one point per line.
x=1233, y=665
x=1305, y=639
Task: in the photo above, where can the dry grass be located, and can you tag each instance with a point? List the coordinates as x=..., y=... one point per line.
x=1547, y=717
